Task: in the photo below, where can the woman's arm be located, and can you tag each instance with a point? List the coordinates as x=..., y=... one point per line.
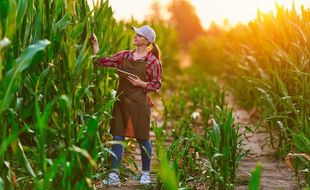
x=113, y=61
x=154, y=73
x=136, y=81
x=155, y=76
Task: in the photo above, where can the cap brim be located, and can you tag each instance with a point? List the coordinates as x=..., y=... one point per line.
x=137, y=31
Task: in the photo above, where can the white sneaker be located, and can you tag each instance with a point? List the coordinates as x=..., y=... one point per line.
x=145, y=178
x=112, y=180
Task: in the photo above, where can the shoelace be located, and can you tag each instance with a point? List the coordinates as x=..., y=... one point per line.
x=145, y=177
x=113, y=178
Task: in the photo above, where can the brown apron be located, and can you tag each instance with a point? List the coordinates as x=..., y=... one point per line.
x=131, y=112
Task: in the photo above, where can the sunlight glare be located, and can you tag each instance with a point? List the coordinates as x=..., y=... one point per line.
x=235, y=11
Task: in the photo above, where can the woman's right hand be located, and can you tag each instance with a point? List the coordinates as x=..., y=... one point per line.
x=93, y=39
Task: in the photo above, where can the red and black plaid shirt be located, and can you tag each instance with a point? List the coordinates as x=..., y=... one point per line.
x=153, y=66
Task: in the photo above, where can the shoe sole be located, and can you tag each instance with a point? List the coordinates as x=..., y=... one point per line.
x=101, y=186
x=146, y=183
x=114, y=185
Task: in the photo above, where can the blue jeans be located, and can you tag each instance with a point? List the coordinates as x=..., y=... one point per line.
x=145, y=148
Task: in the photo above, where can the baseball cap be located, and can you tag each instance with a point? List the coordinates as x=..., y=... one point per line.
x=147, y=32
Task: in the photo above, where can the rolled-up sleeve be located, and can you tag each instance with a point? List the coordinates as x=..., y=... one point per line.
x=155, y=77
x=111, y=61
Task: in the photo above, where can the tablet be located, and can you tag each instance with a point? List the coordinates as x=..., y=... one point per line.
x=126, y=73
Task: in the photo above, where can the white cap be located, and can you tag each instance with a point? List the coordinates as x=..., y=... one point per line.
x=147, y=32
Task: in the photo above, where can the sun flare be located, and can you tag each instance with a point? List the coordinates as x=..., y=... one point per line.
x=239, y=10
x=208, y=10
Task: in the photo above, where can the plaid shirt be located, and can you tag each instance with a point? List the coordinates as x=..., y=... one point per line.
x=153, y=67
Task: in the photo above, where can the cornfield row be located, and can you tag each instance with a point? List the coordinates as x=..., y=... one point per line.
x=206, y=146
x=267, y=65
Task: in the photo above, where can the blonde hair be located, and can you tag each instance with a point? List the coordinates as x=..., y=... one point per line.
x=155, y=50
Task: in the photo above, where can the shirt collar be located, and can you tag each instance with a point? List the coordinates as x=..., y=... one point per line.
x=146, y=58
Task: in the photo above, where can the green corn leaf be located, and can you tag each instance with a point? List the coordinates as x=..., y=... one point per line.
x=38, y=22
x=12, y=79
x=77, y=30
x=59, y=5
x=92, y=126
x=1, y=184
x=216, y=155
x=281, y=84
x=80, y=62
x=43, y=76
x=216, y=127
x=64, y=103
x=255, y=178
x=21, y=11
x=115, y=142
x=4, y=8
x=26, y=161
x=108, y=150
x=3, y=44
x=9, y=140
x=79, y=94
x=302, y=142
x=108, y=105
x=85, y=154
x=90, y=140
x=63, y=22
x=47, y=112
x=55, y=164
x=166, y=172
x=8, y=17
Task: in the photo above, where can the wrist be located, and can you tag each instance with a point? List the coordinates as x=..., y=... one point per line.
x=95, y=44
x=95, y=49
x=144, y=85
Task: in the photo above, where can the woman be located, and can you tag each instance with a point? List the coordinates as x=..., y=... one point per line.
x=140, y=72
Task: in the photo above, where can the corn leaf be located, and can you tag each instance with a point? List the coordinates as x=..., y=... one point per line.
x=12, y=79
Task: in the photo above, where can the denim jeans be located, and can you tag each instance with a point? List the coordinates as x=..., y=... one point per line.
x=145, y=148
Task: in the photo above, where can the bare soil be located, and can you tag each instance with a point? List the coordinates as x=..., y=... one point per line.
x=275, y=173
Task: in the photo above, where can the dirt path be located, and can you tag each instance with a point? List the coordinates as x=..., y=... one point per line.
x=275, y=173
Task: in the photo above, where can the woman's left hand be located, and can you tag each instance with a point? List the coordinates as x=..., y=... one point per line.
x=136, y=81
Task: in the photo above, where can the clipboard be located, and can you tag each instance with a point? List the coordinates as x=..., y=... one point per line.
x=126, y=73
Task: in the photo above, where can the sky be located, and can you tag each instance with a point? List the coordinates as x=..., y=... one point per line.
x=207, y=10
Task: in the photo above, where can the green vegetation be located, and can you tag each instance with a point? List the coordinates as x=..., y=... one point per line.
x=255, y=177
x=267, y=67
x=52, y=97
x=205, y=148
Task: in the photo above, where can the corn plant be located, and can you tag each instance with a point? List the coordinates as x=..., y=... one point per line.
x=53, y=100
x=200, y=154
x=222, y=144
x=167, y=175
x=276, y=66
x=302, y=143
x=254, y=182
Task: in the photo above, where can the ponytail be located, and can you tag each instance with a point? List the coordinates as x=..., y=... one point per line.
x=155, y=50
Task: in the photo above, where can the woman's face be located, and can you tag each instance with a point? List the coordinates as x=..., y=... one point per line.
x=139, y=40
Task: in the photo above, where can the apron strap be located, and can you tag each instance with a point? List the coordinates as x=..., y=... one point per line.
x=150, y=100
